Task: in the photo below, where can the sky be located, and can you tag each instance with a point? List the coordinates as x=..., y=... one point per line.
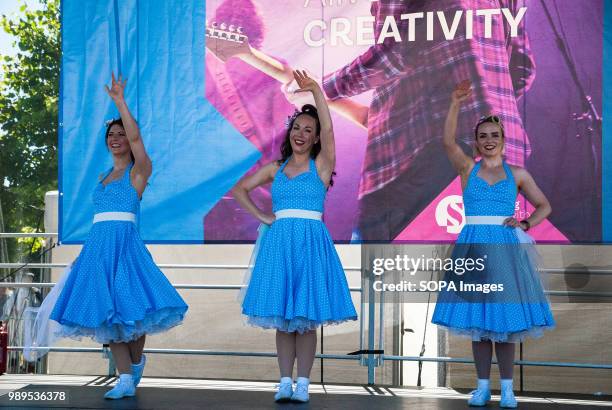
x=11, y=8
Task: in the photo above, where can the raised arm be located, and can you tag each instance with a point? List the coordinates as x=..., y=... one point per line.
x=262, y=176
x=225, y=49
x=142, y=163
x=461, y=162
x=326, y=160
x=380, y=64
x=351, y=110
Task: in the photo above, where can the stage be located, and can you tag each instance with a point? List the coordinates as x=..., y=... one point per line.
x=163, y=393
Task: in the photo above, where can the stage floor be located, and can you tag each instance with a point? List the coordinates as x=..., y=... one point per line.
x=83, y=392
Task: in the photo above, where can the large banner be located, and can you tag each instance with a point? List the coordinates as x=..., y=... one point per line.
x=210, y=85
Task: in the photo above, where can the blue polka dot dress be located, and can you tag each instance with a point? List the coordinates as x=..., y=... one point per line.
x=114, y=292
x=298, y=282
x=521, y=309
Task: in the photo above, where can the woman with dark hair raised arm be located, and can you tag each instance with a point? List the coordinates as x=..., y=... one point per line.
x=516, y=306
x=113, y=292
x=297, y=283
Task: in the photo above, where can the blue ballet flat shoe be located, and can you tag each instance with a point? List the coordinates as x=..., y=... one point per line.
x=508, y=401
x=124, y=388
x=284, y=393
x=479, y=398
x=301, y=393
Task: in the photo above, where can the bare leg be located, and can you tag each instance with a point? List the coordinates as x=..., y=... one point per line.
x=505, y=359
x=483, y=353
x=136, y=347
x=125, y=386
x=306, y=348
x=121, y=355
x=285, y=348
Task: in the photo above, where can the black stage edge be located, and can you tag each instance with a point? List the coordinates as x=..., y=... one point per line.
x=91, y=397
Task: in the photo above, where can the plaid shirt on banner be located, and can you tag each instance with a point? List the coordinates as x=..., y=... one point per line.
x=413, y=81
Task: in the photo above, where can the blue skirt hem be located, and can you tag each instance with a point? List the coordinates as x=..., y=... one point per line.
x=297, y=324
x=125, y=331
x=477, y=335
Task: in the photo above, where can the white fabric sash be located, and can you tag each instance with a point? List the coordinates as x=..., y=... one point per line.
x=523, y=236
x=298, y=213
x=485, y=220
x=114, y=216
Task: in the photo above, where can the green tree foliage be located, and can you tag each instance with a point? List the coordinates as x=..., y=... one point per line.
x=29, y=91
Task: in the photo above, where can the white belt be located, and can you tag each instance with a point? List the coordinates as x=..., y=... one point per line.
x=298, y=213
x=485, y=220
x=114, y=216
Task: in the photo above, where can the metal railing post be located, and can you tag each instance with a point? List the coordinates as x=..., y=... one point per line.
x=108, y=354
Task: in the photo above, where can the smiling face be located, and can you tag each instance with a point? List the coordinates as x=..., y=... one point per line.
x=303, y=134
x=489, y=139
x=116, y=140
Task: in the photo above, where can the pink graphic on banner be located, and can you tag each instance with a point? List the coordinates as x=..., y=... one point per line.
x=388, y=112
x=443, y=219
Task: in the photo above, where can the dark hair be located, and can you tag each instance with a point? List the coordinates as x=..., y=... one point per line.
x=109, y=125
x=286, y=150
